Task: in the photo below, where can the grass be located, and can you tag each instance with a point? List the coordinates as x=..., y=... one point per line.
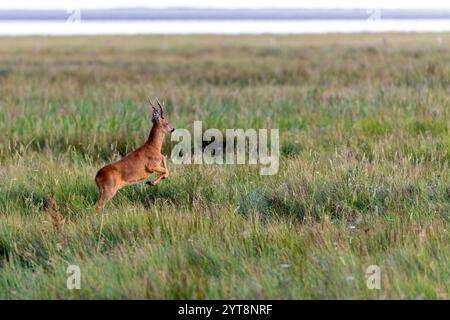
x=364, y=170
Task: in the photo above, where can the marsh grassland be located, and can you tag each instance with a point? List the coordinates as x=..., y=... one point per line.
x=364, y=169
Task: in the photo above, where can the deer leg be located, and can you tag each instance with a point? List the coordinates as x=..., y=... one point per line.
x=158, y=180
x=166, y=175
x=105, y=196
x=100, y=202
x=106, y=189
x=160, y=170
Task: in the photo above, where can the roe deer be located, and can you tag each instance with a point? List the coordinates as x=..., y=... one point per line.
x=137, y=165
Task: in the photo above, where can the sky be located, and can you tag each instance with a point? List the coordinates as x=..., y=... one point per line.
x=218, y=27
x=66, y=4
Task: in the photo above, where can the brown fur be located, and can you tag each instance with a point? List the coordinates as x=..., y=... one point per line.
x=138, y=165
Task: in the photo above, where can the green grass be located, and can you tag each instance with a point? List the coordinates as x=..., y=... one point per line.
x=364, y=171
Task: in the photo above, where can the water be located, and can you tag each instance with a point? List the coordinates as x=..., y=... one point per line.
x=13, y=28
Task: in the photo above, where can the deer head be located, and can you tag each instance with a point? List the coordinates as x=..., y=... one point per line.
x=158, y=118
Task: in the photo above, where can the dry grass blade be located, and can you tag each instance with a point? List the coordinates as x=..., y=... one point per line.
x=56, y=216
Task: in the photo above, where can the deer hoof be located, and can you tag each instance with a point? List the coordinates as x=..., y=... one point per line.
x=150, y=183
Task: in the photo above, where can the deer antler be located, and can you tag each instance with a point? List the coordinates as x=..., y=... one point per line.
x=151, y=104
x=160, y=107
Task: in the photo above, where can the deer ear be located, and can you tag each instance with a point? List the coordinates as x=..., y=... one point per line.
x=155, y=116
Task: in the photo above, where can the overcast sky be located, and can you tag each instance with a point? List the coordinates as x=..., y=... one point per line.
x=65, y=4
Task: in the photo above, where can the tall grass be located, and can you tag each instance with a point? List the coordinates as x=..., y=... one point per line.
x=364, y=174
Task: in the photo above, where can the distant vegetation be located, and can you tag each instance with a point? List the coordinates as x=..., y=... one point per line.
x=364, y=175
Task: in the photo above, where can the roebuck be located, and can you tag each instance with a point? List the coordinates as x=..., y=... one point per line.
x=139, y=164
